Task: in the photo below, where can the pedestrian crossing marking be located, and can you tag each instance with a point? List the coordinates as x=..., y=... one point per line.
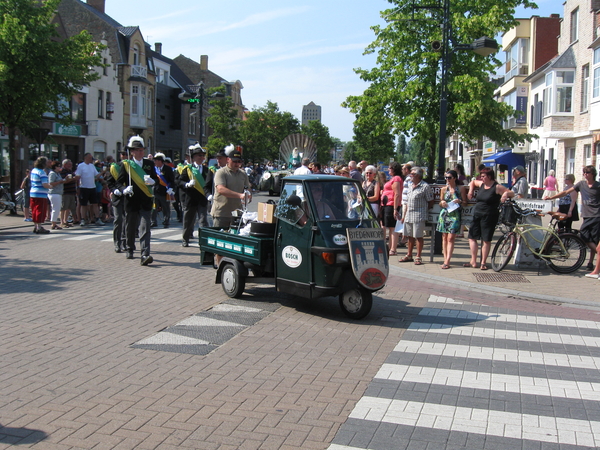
x=473, y=420
x=510, y=318
x=498, y=354
x=528, y=336
x=490, y=381
x=465, y=375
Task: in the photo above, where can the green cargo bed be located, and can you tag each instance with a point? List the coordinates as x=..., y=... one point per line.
x=251, y=249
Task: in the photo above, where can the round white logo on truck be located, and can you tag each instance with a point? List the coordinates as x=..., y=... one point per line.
x=291, y=256
x=340, y=239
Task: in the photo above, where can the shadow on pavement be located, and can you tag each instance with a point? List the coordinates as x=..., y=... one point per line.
x=23, y=275
x=385, y=312
x=21, y=436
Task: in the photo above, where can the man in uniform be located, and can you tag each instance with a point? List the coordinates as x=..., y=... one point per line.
x=221, y=161
x=163, y=191
x=117, y=202
x=195, y=185
x=231, y=186
x=138, y=175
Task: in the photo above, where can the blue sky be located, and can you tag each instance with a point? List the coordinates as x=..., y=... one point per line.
x=290, y=53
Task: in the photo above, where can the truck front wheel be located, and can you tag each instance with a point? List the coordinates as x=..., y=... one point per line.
x=232, y=282
x=356, y=303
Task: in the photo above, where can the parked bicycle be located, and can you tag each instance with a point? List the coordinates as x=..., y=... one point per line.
x=564, y=252
x=5, y=201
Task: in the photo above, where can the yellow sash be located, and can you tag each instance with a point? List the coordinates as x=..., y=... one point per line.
x=137, y=176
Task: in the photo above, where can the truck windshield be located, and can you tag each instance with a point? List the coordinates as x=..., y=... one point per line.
x=344, y=200
x=294, y=214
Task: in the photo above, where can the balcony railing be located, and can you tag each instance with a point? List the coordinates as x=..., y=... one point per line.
x=139, y=71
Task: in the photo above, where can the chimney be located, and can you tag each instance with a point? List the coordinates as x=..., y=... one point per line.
x=97, y=4
x=204, y=62
x=158, y=47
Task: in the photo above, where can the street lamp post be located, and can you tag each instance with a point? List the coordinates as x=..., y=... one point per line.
x=200, y=92
x=483, y=46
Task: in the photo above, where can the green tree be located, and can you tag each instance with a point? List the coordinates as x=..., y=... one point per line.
x=401, y=148
x=223, y=120
x=319, y=133
x=38, y=68
x=404, y=89
x=373, y=145
x=264, y=129
x=417, y=152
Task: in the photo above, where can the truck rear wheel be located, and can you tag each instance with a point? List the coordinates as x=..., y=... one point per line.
x=232, y=282
x=356, y=303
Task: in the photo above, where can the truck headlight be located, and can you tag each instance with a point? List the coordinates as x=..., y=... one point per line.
x=342, y=258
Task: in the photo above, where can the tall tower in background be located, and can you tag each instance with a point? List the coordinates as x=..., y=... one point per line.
x=311, y=112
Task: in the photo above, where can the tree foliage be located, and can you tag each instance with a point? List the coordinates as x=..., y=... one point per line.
x=319, y=133
x=404, y=87
x=372, y=145
x=264, y=129
x=38, y=68
x=223, y=121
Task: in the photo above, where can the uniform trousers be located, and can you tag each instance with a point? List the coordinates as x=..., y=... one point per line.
x=160, y=201
x=189, y=219
x=135, y=220
x=119, y=225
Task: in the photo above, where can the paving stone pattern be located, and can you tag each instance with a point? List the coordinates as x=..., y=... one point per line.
x=201, y=333
x=468, y=376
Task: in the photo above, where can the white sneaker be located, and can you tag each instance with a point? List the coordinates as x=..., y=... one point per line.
x=82, y=223
x=592, y=275
x=99, y=222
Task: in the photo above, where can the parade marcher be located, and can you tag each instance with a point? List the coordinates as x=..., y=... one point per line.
x=163, y=191
x=118, y=203
x=231, y=188
x=195, y=185
x=221, y=161
x=138, y=175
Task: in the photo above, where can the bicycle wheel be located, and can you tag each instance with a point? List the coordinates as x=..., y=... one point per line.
x=572, y=260
x=3, y=203
x=503, y=251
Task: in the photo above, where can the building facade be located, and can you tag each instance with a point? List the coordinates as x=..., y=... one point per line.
x=311, y=112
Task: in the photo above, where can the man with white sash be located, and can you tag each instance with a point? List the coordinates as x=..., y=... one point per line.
x=195, y=185
x=138, y=175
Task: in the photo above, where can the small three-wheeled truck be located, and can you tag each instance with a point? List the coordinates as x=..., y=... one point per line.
x=325, y=241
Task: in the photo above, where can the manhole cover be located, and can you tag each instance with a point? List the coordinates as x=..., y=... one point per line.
x=501, y=278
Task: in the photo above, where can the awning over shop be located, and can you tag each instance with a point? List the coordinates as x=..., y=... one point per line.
x=503, y=164
x=507, y=158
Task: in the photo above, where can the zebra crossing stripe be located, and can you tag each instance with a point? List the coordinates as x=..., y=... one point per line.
x=490, y=381
x=498, y=354
x=473, y=420
x=521, y=319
